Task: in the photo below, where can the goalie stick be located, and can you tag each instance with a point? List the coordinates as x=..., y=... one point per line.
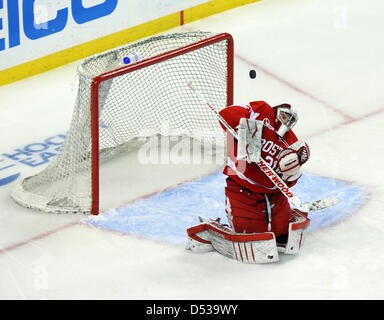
x=271, y=174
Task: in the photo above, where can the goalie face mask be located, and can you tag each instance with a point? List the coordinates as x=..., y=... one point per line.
x=286, y=118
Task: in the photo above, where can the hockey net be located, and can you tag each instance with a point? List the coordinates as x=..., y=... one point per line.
x=118, y=104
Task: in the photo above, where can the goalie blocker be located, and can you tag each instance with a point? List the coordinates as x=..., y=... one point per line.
x=252, y=248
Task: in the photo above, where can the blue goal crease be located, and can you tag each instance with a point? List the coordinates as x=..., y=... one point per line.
x=166, y=216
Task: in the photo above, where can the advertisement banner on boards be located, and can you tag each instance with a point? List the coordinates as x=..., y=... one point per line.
x=31, y=29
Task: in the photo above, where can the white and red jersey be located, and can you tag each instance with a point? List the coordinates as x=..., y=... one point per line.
x=247, y=174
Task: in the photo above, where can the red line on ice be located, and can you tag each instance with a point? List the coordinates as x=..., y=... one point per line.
x=297, y=89
x=345, y=123
x=38, y=237
x=74, y=223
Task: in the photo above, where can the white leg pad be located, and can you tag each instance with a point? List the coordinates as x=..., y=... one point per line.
x=296, y=234
x=198, y=239
x=253, y=248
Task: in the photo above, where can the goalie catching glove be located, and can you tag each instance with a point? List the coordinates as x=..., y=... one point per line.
x=290, y=160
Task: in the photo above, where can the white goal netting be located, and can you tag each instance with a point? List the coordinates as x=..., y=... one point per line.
x=150, y=100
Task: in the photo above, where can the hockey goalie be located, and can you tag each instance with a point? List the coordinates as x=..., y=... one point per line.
x=261, y=222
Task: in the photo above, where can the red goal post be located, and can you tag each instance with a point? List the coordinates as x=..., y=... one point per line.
x=142, y=64
x=211, y=54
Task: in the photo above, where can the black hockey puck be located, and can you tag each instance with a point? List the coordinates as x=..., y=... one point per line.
x=252, y=74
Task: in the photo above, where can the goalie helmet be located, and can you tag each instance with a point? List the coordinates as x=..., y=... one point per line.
x=286, y=118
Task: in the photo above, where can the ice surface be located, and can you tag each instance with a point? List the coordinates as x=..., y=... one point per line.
x=322, y=56
x=166, y=216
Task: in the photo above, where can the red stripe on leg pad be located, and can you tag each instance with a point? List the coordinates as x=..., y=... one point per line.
x=197, y=238
x=239, y=237
x=192, y=231
x=301, y=225
x=196, y=229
